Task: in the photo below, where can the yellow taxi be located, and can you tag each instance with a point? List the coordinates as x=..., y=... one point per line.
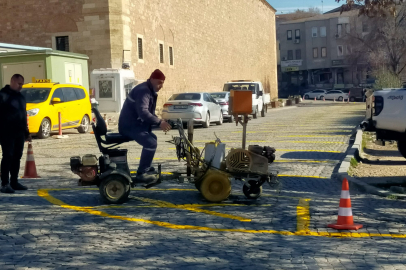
x=45, y=100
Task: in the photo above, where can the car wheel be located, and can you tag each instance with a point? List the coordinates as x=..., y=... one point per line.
x=207, y=123
x=44, y=129
x=220, y=121
x=402, y=147
x=340, y=98
x=231, y=119
x=306, y=96
x=263, y=110
x=84, y=125
x=255, y=115
x=352, y=99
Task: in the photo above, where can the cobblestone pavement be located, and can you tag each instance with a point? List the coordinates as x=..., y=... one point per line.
x=58, y=225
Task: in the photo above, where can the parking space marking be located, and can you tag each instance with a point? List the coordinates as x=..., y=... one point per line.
x=312, y=136
x=315, y=142
x=287, y=150
x=302, y=176
x=302, y=208
x=303, y=216
x=304, y=161
x=190, y=208
x=304, y=131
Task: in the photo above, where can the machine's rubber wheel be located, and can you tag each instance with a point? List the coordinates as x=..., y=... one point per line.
x=84, y=125
x=251, y=191
x=263, y=110
x=402, y=147
x=220, y=122
x=231, y=119
x=352, y=99
x=306, y=97
x=255, y=114
x=215, y=186
x=114, y=189
x=207, y=123
x=340, y=98
x=44, y=129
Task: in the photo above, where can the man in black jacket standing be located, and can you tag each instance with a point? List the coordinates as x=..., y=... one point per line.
x=13, y=133
x=137, y=118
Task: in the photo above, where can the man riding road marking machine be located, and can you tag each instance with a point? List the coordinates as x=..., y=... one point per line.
x=211, y=172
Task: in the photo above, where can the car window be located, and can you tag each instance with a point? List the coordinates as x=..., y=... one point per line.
x=80, y=93
x=69, y=94
x=218, y=95
x=346, y=91
x=206, y=97
x=58, y=94
x=212, y=99
x=35, y=95
x=185, y=96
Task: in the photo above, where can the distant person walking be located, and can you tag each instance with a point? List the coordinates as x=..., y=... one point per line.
x=13, y=133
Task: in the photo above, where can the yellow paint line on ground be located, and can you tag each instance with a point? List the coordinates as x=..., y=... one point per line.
x=304, y=161
x=44, y=193
x=302, y=176
x=303, y=216
x=189, y=208
x=316, y=142
x=312, y=136
x=231, y=141
x=295, y=150
x=303, y=131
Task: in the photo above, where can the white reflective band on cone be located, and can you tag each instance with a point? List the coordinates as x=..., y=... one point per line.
x=345, y=194
x=344, y=212
x=30, y=158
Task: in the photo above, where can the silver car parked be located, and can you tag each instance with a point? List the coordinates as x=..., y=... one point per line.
x=222, y=99
x=200, y=107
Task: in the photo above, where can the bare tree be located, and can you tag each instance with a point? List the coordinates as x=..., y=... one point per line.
x=299, y=14
x=381, y=42
x=372, y=8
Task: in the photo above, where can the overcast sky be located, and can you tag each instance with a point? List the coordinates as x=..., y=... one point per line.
x=288, y=6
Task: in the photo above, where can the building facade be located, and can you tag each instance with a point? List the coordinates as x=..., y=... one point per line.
x=199, y=45
x=317, y=51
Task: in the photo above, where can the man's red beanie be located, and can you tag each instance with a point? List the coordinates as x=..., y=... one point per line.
x=157, y=74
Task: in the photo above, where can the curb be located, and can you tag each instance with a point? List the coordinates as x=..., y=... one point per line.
x=354, y=152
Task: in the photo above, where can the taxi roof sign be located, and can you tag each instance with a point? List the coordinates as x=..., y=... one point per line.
x=41, y=80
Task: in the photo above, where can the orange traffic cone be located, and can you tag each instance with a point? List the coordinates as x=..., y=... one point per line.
x=30, y=170
x=334, y=99
x=343, y=100
x=324, y=99
x=314, y=98
x=345, y=220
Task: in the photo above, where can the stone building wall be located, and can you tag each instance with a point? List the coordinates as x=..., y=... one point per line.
x=213, y=41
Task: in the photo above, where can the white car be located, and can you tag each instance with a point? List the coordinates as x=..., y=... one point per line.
x=335, y=95
x=199, y=107
x=314, y=94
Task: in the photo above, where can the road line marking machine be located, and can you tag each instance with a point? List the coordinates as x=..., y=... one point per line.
x=210, y=170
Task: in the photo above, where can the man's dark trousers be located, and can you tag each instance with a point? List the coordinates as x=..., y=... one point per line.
x=148, y=140
x=12, y=147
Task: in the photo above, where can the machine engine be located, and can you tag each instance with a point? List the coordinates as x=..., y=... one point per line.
x=253, y=160
x=86, y=168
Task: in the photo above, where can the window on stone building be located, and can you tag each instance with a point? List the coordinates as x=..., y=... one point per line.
x=365, y=27
x=161, y=53
x=339, y=30
x=289, y=34
x=298, y=54
x=290, y=55
x=297, y=34
x=314, y=31
x=323, y=52
x=315, y=52
x=170, y=55
x=323, y=31
x=62, y=43
x=340, y=50
x=140, y=44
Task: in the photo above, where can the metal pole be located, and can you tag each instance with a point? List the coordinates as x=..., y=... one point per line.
x=60, y=123
x=190, y=131
x=244, y=131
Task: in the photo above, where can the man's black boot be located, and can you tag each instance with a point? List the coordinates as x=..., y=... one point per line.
x=18, y=186
x=6, y=189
